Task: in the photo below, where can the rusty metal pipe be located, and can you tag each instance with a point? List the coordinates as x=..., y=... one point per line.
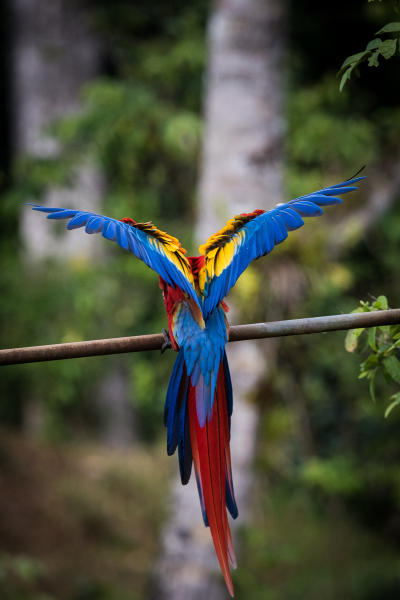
x=314, y=325
x=13, y=356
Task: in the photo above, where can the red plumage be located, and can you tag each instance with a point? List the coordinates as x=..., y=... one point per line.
x=212, y=463
x=199, y=398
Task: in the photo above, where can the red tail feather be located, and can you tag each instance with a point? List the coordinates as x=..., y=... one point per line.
x=211, y=457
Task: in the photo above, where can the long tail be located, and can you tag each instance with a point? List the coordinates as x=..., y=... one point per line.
x=208, y=447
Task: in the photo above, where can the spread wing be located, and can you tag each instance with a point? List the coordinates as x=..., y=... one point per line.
x=246, y=237
x=160, y=251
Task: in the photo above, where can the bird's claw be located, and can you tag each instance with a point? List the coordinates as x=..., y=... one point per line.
x=167, y=341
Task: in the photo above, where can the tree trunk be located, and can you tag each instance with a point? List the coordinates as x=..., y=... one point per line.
x=54, y=54
x=242, y=170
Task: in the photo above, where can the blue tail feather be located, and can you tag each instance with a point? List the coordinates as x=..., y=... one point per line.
x=176, y=417
x=230, y=501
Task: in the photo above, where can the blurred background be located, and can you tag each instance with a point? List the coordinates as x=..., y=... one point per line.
x=185, y=114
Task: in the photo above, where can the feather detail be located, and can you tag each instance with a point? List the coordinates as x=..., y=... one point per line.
x=248, y=236
x=202, y=437
x=211, y=457
x=198, y=405
x=158, y=250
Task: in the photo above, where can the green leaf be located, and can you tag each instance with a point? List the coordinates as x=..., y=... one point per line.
x=373, y=44
x=372, y=386
x=373, y=59
x=381, y=303
x=364, y=306
x=368, y=366
x=371, y=338
x=353, y=60
x=392, y=367
x=391, y=406
x=351, y=340
x=393, y=347
x=388, y=48
x=346, y=75
x=371, y=361
x=359, y=309
x=390, y=28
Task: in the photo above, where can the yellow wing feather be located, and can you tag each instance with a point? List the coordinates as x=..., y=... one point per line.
x=220, y=248
x=170, y=246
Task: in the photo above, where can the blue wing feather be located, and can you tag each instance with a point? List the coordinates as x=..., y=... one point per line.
x=171, y=410
x=184, y=444
x=142, y=245
x=94, y=225
x=78, y=220
x=61, y=214
x=176, y=417
x=258, y=236
x=291, y=218
x=343, y=184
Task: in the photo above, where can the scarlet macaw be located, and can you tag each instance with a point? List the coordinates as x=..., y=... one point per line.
x=198, y=405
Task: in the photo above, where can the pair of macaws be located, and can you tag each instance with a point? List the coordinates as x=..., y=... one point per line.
x=198, y=405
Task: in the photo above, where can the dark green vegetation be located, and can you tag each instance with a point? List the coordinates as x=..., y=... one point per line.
x=326, y=508
x=78, y=522
x=376, y=49
x=141, y=125
x=381, y=346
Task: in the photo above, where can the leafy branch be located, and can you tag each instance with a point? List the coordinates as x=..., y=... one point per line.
x=374, y=50
x=383, y=344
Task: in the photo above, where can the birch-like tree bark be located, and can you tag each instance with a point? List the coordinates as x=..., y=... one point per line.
x=55, y=52
x=241, y=170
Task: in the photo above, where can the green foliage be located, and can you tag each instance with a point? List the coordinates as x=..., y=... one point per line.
x=134, y=135
x=20, y=576
x=375, y=49
x=327, y=460
x=383, y=346
x=317, y=114
x=294, y=551
x=335, y=476
x=142, y=129
x=81, y=523
x=326, y=510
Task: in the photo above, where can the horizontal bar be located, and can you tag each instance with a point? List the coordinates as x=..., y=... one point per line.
x=256, y=331
x=137, y=343
x=237, y=333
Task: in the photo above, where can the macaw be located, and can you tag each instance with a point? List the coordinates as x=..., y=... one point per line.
x=198, y=404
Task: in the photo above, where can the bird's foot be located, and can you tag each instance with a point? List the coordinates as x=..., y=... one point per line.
x=167, y=341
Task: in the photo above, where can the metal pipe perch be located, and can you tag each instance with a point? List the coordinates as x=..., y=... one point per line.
x=13, y=356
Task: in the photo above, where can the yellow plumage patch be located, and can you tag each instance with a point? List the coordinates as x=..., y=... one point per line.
x=220, y=249
x=223, y=258
x=202, y=278
x=172, y=249
x=222, y=236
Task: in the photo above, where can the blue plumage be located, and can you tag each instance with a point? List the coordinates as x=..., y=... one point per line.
x=171, y=410
x=198, y=405
x=259, y=236
x=176, y=418
x=141, y=244
x=184, y=446
x=230, y=501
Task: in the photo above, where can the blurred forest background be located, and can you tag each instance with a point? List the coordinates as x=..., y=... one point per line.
x=84, y=479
